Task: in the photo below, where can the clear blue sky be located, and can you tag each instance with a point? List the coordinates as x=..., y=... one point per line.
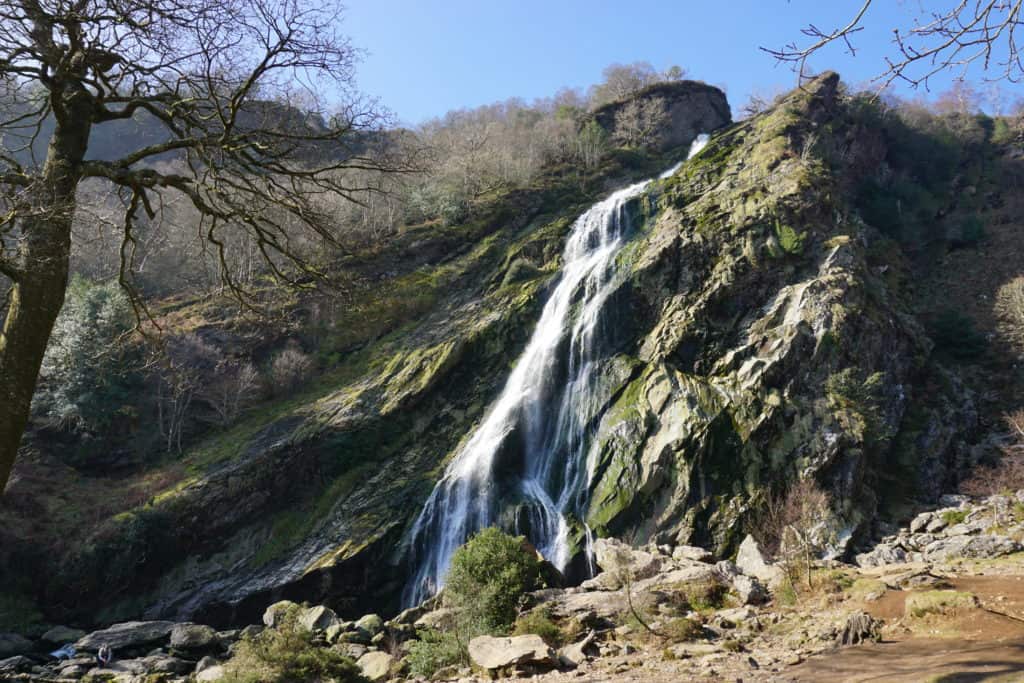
x=426, y=57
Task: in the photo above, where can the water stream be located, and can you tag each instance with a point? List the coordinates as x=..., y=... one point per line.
x=546, y=408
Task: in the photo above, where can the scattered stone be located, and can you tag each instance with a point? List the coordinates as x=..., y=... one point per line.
x=411, y=615
x=750, y=560
x=16, y=664
x=12, y=644
x=318, y=618
x=436, y=619
x=163, y=663
x=213, y=673
x=975, y=547
x=749, y=590
x=351, y=650
x=690, y=552
x=251, y=631
x=60, y=635
x=577, y=653
x=492, y=653
x=951, y=500
x=193, y=637
x=275, y=613
x=882, y=554
x=206, y=663
x=127, y=635
x=919, y=523
x=691, y=650
x=371, y=624
x=616, y=557
x=860, y=627
x=376, y=665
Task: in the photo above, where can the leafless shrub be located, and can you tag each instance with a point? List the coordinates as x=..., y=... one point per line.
x=234, y=387
x=290, y=369
x=793, y=529
x=1010, y=309
x=1006, y=475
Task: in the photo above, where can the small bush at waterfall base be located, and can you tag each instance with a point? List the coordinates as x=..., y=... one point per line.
x=683, y=630
x=434, y=651
x=285, y=654
x=539, y=622
x=488, y=578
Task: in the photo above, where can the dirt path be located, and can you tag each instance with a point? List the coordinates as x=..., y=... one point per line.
x=978, y=644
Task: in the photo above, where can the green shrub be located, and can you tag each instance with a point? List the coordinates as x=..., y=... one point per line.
x=955, y=335
x=683, y=630
x=488, y=578
x=706, y=596
x=87, y=376
x=539, y=622
x=972, y=231
x=951, y=517
x=434, y=651
x=286, y=654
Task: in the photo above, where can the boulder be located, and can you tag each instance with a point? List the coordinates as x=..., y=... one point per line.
x=59, y=635
x=751, y=561
x=736, y=616
x=370, y=624
x=920, y=523
x=213, y=673
x=438, y=618
x=162, y=663
x=616, y=557
x=860, y=627
x=492, y=653
x=250, y=631
x=696, y=573
x=127, y=635
x=690, y=552
x=275, y=613
x=577, y=653
x=193, y=637
x=749, y=590
x=351, y=650
x=975, y=547
x=950, y=500
x=206, y=663
x=12, y=644
x=882, y=554
x=16, y=664
x=376, y=665
x=318, y=618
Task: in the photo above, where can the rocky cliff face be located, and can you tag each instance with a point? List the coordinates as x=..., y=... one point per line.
x=763, y=338
x=689, y=108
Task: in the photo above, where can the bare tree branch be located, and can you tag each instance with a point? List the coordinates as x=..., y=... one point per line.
x=972, y=32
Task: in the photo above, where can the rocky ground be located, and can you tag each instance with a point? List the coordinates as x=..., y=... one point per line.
x=942, y=599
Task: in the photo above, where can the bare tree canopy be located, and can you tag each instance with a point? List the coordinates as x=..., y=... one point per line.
x=255, y=104
x=964, y=34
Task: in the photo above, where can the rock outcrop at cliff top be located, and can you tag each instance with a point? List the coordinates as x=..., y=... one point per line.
x=690, y=108
x=763, y=340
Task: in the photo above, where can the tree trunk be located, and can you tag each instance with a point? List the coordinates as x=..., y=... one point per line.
x=43, y=256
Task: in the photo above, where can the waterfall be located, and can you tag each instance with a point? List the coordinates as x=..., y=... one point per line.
x=548, y=403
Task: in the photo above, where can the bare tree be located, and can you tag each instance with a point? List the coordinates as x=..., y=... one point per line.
x=234, y=386
x=793, y=529
x=623, y=80
x=964, y=33
x=254, y=98
x=639, y=122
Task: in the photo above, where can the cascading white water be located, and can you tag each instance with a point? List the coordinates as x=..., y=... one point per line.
x=548, y=403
